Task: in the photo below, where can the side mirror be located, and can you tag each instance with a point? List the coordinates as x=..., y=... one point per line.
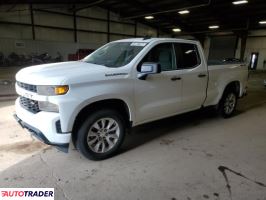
x=148, y=68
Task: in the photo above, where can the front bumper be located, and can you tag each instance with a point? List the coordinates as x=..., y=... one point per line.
x=42, y=125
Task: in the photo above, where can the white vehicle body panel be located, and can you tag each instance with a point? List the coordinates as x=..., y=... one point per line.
x=157, y=97
x=147, y=100
x=220, y=76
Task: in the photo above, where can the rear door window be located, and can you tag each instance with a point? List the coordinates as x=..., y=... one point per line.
x=187, y=55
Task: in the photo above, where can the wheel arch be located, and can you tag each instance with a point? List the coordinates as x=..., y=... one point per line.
x=118, y=104
x=222, y=107
x=234, y=85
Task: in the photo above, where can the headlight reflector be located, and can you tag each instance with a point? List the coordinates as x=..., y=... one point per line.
x=50, y=90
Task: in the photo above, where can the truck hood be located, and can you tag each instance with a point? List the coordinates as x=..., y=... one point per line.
x=65, y=73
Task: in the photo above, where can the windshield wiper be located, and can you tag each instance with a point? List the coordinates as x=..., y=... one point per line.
x=95, y=63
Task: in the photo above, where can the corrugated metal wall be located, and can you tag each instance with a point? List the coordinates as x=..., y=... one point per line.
x=59, y=35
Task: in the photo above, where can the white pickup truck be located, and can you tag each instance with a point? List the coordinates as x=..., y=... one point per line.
x=123, y=84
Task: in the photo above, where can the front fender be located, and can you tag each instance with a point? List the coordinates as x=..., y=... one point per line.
x=88, y=102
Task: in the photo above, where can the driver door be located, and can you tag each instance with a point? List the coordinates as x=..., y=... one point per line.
x=159, y=95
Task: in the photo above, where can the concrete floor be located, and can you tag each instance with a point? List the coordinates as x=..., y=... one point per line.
x=186, y=157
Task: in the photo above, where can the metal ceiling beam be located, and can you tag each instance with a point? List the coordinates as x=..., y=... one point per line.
x=169, y=11
x=94, y=3
x=215, y=31
x=142, y=21
x=32, y=22
x=80, y=16
x=143, y=6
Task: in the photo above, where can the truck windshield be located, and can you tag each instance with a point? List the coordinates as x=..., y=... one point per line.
x=115, y=54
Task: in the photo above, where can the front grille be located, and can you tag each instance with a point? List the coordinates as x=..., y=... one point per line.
x=29, y=104
x=32, y=88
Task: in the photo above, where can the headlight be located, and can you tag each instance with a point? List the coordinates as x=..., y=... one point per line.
x=50, y=90
x=47, y=106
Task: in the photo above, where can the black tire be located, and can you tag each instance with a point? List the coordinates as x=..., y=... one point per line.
x=223, y=109
x=83, y=132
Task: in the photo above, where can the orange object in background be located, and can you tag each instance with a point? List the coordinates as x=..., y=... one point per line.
x=80, y=54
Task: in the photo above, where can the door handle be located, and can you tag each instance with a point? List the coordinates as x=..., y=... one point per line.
x=202, y=75
x=176, y=78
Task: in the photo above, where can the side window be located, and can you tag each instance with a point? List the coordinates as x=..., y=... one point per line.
x=187, y=55
x=162, y=54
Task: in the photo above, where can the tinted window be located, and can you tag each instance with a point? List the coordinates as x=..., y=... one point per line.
x=162, y=54
x=115, y=54
x=186, y=55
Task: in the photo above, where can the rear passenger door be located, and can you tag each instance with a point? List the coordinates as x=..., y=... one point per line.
x=194, y=75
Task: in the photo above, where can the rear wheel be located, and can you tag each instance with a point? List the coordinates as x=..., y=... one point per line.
x=101, y=135
x=227, y=105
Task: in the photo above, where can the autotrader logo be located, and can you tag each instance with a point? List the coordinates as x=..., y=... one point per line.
x=27, y=193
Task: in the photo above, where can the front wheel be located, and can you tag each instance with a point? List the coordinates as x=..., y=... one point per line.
x=101, y=135
x=228, y=104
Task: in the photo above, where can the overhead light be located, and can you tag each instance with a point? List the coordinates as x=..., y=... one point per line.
x=149, y=17
x=262, y=22
x=240, y=2
x=176, y=29
x=183, y=12
x=213, y=27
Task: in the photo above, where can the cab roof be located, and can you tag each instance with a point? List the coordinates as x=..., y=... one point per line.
x=148, y=40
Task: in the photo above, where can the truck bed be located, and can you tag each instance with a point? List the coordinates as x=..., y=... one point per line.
x=222, y=73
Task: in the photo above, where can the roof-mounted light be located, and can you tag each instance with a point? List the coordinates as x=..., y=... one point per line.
x=214, y=27
x=183, y=12
x=262, y=22
x=176, y=30
x=240, y=2
x=149, y=17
